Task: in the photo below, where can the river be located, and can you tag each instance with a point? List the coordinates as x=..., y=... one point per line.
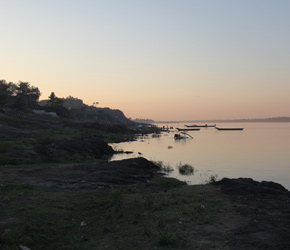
x=261, y=151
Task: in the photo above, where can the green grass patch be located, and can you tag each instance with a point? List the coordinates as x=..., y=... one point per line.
x=9, y=144
x=167, y=183
x=20, y=122
x=6, y=160
x=113, y=219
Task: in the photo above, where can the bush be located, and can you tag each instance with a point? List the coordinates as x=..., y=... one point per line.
x=185, y=169
x=164, y=167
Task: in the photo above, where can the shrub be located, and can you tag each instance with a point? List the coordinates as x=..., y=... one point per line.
x=164, y=167
x=185, y=169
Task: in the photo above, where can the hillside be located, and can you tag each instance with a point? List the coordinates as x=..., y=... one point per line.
x=27, y=137
x=83, y=112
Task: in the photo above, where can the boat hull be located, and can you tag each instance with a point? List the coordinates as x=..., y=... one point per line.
x=182, y=135
x=226, y=129
x=200, y=126
x=188, y=129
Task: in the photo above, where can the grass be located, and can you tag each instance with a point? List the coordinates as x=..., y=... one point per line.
x=46, y=135
x=212, y=179
x=164, y=167
x=9, y=144
x=20, y=122
x=113, y=219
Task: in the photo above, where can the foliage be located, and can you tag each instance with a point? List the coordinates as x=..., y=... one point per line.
x=26, y=95
x=58, y=109
x=212, y=179
x=185, y=169
x=54, y=100
x=55, y=105
x=72, y=98
x=6, y=90
x=21, y=95
x=164, y=167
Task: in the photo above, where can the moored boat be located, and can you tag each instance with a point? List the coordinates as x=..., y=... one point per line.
x=229, y=128
x=188, y=129
x=200, y=126
x=182, y=135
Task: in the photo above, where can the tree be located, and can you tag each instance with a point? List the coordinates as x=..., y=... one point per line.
x=7, y=91
x=55, y=104
x=72, y=98
x=26, y=96
x=52, y=98
x=3, y=93
x=55, y=101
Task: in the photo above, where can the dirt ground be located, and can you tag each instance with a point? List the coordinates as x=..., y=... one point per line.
x=256, y=215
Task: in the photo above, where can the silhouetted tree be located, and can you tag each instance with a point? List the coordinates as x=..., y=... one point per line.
x=54, y=100
x=72, y=98
x=55, y=104
x=26, y=96
x=4, y=93
x=20, y=95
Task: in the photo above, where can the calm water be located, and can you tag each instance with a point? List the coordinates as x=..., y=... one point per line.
x=261, y=151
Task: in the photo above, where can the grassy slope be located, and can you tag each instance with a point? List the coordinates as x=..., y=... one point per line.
x=37, y=131
x=111, y=219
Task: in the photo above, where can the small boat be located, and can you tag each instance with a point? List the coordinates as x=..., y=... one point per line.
x=165, y=129
x=200, y=126
x=229, y=128
x=188, y=129
x=182, y=135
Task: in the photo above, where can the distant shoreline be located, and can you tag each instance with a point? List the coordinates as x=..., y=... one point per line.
x=274, y=119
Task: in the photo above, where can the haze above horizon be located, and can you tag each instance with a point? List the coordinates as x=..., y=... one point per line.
x=162, y=60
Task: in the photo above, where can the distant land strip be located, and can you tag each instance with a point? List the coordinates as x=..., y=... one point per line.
x=273, y=119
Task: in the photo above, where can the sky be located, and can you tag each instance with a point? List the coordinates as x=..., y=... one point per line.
x=154, y=59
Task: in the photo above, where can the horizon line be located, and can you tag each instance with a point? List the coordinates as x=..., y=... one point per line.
x=269, y=119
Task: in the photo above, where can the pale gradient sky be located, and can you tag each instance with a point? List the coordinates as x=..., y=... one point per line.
x=158, y=59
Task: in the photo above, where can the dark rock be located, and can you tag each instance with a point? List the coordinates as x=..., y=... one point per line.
x=89, y=176
x=248, y=186
x=66, y=149
x=267, y=205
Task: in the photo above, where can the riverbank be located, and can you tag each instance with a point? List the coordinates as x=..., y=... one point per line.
x=28, y=138
x=128, y=205
x=57, y=191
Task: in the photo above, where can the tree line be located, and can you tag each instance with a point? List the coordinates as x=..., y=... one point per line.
x=22, y=96
x=19, y=95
